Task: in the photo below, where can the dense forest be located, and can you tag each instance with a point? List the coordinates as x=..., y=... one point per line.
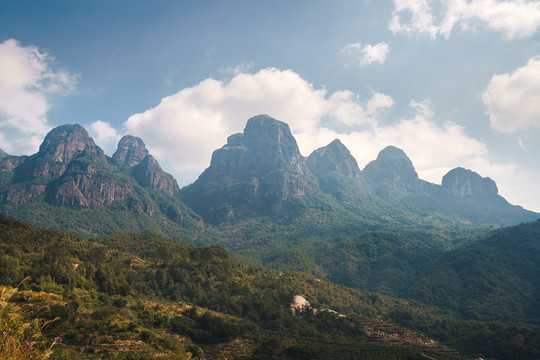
x=140, y=296
x=496, y=278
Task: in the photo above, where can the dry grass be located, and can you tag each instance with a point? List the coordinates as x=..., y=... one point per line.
x=21, y=329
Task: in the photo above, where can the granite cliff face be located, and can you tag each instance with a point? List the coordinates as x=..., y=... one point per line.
x=337, y=172
x=131, y=151
x=133, y=158
x=392, y=165
x=69, y=158
x=391, y=173
x=62, y=145
x=464, y=183
x=71, y=171
x=257, y=172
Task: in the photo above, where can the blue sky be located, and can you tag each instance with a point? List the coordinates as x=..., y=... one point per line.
x=453, y=83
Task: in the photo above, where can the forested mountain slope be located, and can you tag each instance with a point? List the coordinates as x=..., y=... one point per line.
x=497, y=278
x=141, y=296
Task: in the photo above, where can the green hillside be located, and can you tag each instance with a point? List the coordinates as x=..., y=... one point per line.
x=497, y=278
x=140, y=296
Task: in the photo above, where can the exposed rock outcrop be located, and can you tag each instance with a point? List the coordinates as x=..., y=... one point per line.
x=133, y=158
x=255, y=173
x=131, y=151
x=334, y=157
x=149, y=174
x=463, y=183
x=393, y=165
x=60, y=147
x=70, y=170
x=392, y=172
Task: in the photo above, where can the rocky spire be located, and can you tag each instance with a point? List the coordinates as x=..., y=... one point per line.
x=255, y=173
x=392, y=165
x=61, y=145
x=334, y=157
x=462, y=183
x=130, y=152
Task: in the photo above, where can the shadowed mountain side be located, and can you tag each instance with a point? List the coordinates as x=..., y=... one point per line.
x=261, y=172
x=257, y=173
x=497, y=278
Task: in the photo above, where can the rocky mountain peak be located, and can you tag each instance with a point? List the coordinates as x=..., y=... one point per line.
x=255, y=173
x=61, y=145
x=461, y=182
x=333, y=157
x=272, y=143
x=393, y=165
x=65, y=142
x=265, y=124
x=130, y=152
x=266, y=144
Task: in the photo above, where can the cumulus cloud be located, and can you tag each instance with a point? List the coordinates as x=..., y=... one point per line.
x=421, y=19
x=196, y=120
x=514, y=19
x=105, y=135
x=26, y=81
x=187, y=126
x=511, y=99
x=348, y=108
x=434, y=149
x=368, y=54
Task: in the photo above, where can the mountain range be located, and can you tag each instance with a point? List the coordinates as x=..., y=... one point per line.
x=263, y=200
x=380, y=228
x=258, y=173
x=70, y=183
x=262, y=173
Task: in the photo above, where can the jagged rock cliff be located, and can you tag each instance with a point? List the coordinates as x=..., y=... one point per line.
x=257, y=172
x=391, y=173
x=334, y=157
x=463, y=183
x=133, y=158
x=130, y=152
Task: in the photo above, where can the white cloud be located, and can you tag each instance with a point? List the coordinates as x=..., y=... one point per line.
x=348, y=108
x=514, y=19
x=188, y=125
x=434, y=149
x=105, y=135
x=378, y=102
x=26, y=81
x=421, y=19
x=423, y=108
x=368, y=54
x=184, y=129
x=511, y=99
